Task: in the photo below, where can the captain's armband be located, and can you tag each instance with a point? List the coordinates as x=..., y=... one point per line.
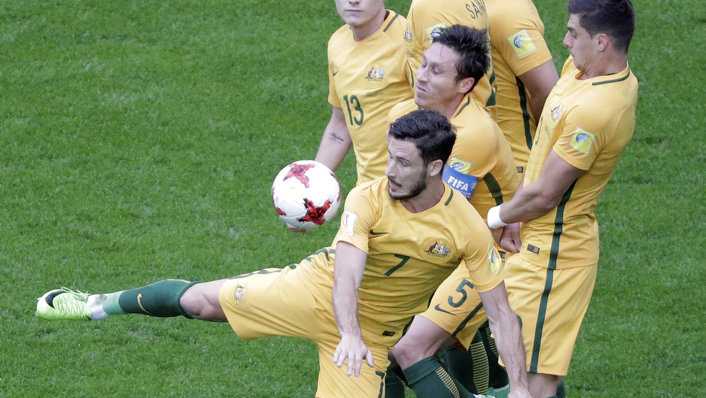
x=463, y=183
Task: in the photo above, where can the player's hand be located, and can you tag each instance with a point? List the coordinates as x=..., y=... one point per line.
x=497, y=233
x=354, y=349
x=510, y=238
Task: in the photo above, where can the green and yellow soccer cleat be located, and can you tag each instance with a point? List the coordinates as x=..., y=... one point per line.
x=63, y=303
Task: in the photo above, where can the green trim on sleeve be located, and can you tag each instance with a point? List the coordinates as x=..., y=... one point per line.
x=494, y=188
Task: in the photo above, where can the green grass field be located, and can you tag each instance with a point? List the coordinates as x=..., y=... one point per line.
x=138, y=140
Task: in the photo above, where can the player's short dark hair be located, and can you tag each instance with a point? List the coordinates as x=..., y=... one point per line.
x=616, y=18
x=472, y=47
x=430, y=131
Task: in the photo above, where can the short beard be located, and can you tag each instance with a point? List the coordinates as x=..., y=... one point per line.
x=418, y=188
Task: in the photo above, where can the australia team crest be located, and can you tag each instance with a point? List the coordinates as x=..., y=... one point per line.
x=376, y=74
x=437, y=248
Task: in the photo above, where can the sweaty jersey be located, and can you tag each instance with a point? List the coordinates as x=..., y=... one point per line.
x=518, y=46
x=409, y=254
x=425, y=17
x=587, y=123
x=366, y=78
x=481, y=166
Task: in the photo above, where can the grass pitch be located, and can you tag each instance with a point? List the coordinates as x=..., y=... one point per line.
x=138, y=141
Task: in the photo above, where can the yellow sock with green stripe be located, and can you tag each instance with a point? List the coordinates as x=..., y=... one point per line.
x=429, y=379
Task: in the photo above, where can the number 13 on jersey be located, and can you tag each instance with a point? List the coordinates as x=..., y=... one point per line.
x=356, y=116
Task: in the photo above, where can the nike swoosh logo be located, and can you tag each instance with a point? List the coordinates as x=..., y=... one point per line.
x=139, y=304
x=438, y=308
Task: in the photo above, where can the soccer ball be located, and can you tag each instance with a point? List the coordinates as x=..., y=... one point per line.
x=306, y=194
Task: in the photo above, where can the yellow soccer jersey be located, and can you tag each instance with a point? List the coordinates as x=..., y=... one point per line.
x=518, y=46
x=587, y=123
x=366, y=78
x=481, y=166
x=427, y=15
x=410, y=254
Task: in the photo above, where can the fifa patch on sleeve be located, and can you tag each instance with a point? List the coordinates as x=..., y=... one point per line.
x=455, y=176
x=582, y=141
x=522, y=43
x=348, y=222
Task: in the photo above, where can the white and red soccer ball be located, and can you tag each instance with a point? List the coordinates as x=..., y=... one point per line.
x=306, y=194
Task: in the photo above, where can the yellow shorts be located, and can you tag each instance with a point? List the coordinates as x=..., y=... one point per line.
x=551, y=304
x=456, y=307
x=284, y=302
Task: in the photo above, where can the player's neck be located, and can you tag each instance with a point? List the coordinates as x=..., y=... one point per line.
x=449, y=108
x=427, y=198
x=366, y=30
x=609, y=64
x=452, y=107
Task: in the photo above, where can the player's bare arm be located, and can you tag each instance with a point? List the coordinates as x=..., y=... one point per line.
x=335, y=141
x=539, y=82
x=348, y=273
x=505, y=326
x=540, y=197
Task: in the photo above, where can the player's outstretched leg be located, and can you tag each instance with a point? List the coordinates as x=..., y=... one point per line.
x=166, y=298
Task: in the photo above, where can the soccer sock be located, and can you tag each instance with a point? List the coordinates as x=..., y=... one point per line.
x=497, y=374
x=429, y=380
x=159, y=299
x=561, y=390
x=470, y=368
x=394, y=385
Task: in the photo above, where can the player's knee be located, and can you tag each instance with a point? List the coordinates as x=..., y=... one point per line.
x=191, y=302
x=409, y=351
x=403, y=355
x=198, y=302
x=422, y=340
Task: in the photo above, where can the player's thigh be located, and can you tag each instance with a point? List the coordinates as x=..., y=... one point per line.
x=334, y=382
x=456, y=307
x=552, y=304
x=271, y=302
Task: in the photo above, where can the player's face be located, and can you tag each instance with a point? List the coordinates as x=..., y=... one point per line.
x=436, y=84
x=357, y=13
x=581, y=45
x=406, y=171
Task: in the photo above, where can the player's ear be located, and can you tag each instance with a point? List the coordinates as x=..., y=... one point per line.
x=465, y=85
x=434, y=167
x=602, y=42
